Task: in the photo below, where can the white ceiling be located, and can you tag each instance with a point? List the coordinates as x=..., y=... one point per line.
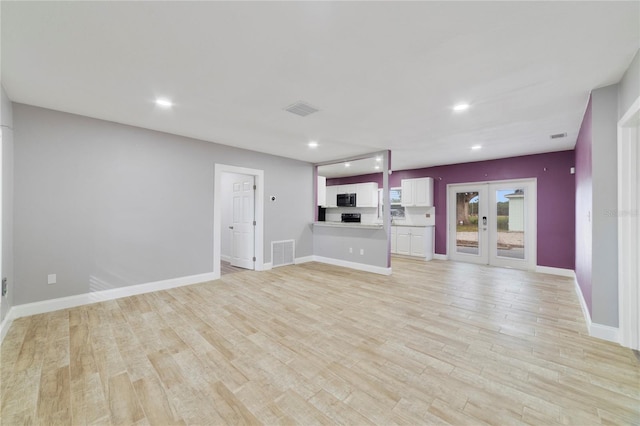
x=384, y=75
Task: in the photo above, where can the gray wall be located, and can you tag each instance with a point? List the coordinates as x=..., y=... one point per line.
x=604, y=278
x=629, y=89
x=334, y=243
x=6, y=118
x=104, y=205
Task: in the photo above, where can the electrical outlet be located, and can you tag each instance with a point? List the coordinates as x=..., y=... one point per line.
x=4, y=286
x=51, y=279
x=350, y=249
x=361, y=252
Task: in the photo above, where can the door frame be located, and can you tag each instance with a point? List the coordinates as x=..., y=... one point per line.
x=628, y=216
x=258, y=175
x=531, y=226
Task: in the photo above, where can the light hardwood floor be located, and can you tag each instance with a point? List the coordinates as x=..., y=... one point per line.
x=437, y=342
x=226, y=268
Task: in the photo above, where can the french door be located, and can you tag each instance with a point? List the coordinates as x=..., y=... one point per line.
x=493, y=223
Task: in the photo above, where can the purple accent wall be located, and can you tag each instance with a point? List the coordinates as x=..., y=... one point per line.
x=584, y=204
x=373, y=177
x=556, y=197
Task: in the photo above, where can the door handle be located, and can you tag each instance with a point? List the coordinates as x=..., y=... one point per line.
x=231, y=227
x=484, y=220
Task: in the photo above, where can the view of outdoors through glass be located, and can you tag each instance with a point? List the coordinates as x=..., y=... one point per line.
x=509, y=219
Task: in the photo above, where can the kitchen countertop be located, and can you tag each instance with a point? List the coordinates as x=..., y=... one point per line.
x=349, y=225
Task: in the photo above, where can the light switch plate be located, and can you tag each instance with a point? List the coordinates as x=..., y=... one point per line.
x=51, y=279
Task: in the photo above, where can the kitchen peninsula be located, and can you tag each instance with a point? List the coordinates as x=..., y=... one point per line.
x=350, y=230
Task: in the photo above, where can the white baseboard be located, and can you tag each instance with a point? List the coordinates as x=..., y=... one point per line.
x=583, y=305
x=103, y=295
x=225, y=257
x=600, y=331
x=353, y=265
x=304, y=259
x=605, y=332
x=6, y=324
x=438, y=256
x=266, y=267
x=570, y=273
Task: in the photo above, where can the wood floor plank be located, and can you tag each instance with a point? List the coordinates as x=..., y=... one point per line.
x=434, y=343
x=123, y=401
x=155, y=403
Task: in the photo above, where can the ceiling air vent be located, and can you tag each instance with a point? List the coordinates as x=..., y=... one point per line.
x=559, y=135
x=302, y=109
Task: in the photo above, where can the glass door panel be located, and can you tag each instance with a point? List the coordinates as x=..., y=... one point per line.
x=510, y=223
x=467, y=229
x=493, y=223
x=468, y=205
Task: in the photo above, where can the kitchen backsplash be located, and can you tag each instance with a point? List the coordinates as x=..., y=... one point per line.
x=413, y=215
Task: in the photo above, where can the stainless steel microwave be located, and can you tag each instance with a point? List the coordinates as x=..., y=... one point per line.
x=346, y=200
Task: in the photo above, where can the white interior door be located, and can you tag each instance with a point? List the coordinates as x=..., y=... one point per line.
x=493, y=223
x=243, y=222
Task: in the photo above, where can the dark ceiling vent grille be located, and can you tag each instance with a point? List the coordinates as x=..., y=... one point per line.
x=302, y=109
x=559, y=135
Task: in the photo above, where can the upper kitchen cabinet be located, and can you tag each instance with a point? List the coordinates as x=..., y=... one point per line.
x=367, y=194
x=332, y=196
x=322, y=191
x=417, y=192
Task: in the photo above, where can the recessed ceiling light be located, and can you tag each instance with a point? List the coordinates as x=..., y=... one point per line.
x=164, y=103
x=377, y=167
x=347, y=164
x=378, y=159
x=476, y=147
x=461, y=107
x=313, y=144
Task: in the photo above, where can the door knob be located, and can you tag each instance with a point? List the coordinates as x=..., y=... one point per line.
x=231, y=227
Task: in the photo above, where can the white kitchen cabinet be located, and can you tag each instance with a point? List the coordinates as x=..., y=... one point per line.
x=423, y=191
x=403, y=242
x=367, y=194
x=417, y=242
x=412, y=241
x=394, y=235
x=407, y=192
x=332, y=196
x=322, y=191
x=417, y=192
x=347, y=189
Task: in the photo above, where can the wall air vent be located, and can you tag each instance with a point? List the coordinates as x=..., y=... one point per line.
x=282, y=253
x=302, y=109
x=559, y=135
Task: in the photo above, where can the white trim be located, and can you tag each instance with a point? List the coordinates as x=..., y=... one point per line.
x=438, y=256
x=103, y=295
x=605, y=332
x=304, y=259
x=51, y=305
x=353, y=265
x=570, y=273
x=225, y=258
x=6, y=324
x=265, y=267
x=599, y=331
x=219, y=169
x=628, y=228
x=583, y=304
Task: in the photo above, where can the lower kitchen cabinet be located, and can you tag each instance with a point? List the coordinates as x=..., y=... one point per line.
x=412, y=241
x=394, y=233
